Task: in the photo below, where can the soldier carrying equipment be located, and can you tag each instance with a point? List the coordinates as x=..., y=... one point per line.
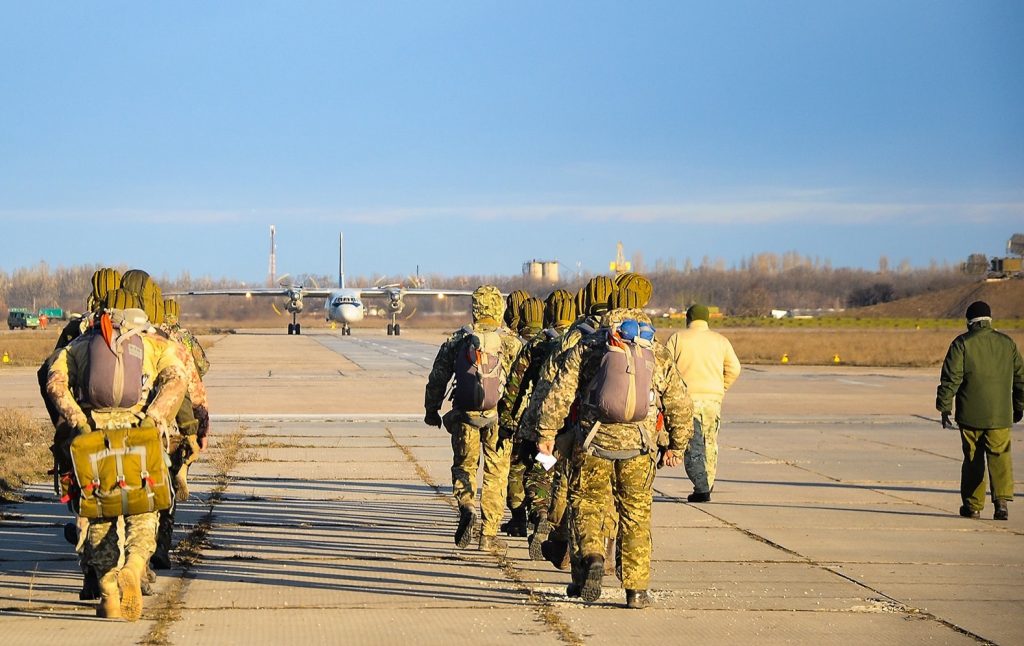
x=479, y=377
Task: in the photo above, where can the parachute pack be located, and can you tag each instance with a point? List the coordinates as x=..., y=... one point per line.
x=622, y=389
x=119, y=472
x=115, y=378
x=479, y=377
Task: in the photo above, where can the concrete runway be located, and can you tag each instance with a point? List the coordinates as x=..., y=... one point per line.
x=323, y=516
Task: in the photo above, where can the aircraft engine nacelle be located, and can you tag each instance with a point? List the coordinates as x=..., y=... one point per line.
x=395, y=302
x=295, y=305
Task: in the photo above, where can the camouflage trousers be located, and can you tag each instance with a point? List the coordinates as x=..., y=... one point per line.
x=516, y=494
x=629, y=484
x=701, y=457
x=469, y=445
x=102, y=539
x=537, y=483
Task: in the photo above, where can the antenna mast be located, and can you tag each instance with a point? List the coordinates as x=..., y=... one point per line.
x=273, y=257
x=341, y=260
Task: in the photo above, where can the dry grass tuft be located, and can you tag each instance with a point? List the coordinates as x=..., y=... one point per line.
x=24, y=451
x=28, y=347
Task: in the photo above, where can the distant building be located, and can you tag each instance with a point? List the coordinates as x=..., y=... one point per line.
x=545, y=271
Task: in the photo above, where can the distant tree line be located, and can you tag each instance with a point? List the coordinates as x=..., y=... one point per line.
x=759, y=284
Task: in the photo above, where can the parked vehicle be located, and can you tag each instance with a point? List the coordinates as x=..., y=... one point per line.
x=21, y=317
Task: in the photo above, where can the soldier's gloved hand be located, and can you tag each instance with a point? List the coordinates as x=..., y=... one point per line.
x=1018, y=415
x=432, y=418
x=193, y=449
x=945, y=421
x=547, y=447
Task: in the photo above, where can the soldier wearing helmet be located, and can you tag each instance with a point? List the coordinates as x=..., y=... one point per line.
x=479, y=357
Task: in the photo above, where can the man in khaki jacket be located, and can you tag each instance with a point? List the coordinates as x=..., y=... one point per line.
x=708, y=364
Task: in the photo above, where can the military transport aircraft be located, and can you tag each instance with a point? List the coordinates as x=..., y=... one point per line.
x=344, y=305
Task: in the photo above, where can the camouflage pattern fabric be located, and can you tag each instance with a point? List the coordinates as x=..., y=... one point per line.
x=630, y=483
x=196, y=388
x=102, y=540
x=468, y=442
x=471, y=430
x=701, y=457
x=578, y=368
x=162, y=394
x=515, y=494
x=185, y=337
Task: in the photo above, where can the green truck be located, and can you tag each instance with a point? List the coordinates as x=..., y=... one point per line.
x=21, y=317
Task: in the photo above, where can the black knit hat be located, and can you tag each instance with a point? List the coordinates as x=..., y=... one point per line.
x=978, y=309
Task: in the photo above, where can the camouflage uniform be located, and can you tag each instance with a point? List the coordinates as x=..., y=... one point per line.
x=531, y=322
x=163, y=391
x=621, y=458
x=472, y=431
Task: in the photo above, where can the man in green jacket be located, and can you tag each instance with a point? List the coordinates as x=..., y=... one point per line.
x=984, y=375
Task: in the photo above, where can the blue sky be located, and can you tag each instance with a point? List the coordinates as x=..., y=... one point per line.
x=467, y=137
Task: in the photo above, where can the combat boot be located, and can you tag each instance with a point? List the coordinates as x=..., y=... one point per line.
x=129, y=580
x=517, y=526
x=575, y=589
x=1002, y=512
x=90, y=586
x=464, y=532
x=491, y=544
x=967, y=512
x=109, y=606
x=541, y=529
x=637, y=599
x=699, y=496
x=148, y=579
x=593, y=570
x=556, y=551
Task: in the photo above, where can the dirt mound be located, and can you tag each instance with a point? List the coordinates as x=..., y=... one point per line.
x=1006, y=298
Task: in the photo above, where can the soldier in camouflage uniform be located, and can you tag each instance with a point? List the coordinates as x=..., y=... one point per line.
x=594, y=296
x=103, y=280
x=615, y=459
x=163, y=391
x=474, y=432
x=531, y=322
x=192, y=421
x=559, y=313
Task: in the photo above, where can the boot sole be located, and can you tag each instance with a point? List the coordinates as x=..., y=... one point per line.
x=131, y=594
x=538, y=538
x=592, y=586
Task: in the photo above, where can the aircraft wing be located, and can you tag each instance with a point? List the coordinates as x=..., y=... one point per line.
x=255, y=291
x=412, y=291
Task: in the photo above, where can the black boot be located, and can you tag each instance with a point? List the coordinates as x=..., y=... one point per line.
x=161, y=559
x=593, y=569
x=1002, y=512
x=699, y=496
x=575, y=588
x=555, y=551
x=637, y=599
x=517, y=526
x=967, y=512
x=90, y=586
x=464, y=532
x=541, y=529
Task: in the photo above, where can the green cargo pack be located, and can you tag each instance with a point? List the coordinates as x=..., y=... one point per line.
x=120, y=472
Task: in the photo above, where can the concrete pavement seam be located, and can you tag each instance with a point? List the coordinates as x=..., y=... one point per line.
x=809, y=561
x=544, y=609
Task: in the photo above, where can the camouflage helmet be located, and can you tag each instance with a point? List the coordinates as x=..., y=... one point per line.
x=636, y=283
x=531, y=316
x=141, y=284
x=488, y=303
x=597, y=292
x=559, y=308
x=624, y=299
x=171, y=310
x=513, y=303
x=121, y=299
x=103, y=281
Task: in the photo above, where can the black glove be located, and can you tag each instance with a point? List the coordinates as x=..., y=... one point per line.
x=945, y=421
x=432, y=418
x=1018, y=415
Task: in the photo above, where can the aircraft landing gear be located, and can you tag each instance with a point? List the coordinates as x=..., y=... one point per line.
x=393, y=327
x=295, y=327
x=346, y=329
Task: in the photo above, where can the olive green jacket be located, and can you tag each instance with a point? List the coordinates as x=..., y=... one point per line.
x=984, y=374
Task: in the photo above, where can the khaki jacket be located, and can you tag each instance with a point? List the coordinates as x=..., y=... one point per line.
x=705, y=360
